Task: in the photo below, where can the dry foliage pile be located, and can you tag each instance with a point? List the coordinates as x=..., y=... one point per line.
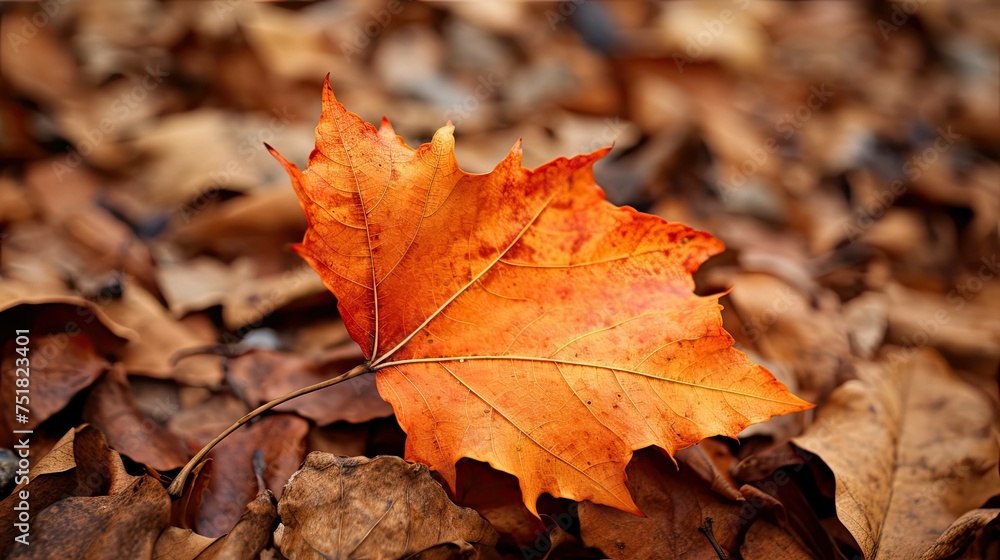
x=845, y=153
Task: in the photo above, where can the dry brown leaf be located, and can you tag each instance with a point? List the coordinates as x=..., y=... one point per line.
x=963, y=321
x=197, y=284
x=64, y=196
x=123, y=524
x=780, y=321
x=676, y=504
x=85, y=504
x=58, y=367
x=912, y=447
x=382, y=508
x=232, y=227
x=111, y=408
x=496, y=496
x=969, y=537
x=280, y=438
x=260, y=376
x=160, y=338
x=249, y=302
x=250, y=535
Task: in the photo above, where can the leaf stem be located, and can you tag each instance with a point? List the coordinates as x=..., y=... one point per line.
x=177, y=486
x=706, y=529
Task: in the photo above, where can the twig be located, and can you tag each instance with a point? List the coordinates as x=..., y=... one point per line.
x=706, y=529
x=177, y=486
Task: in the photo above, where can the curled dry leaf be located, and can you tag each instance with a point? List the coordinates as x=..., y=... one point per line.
x=516, y=317
x=381, y=508
x=912, y=448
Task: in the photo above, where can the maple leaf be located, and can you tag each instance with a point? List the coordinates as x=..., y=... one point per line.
x=518, y=318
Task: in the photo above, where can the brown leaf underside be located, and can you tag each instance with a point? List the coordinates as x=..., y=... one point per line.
x=516, y=317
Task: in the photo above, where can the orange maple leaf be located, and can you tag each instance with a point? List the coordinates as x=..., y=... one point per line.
x=517, y=317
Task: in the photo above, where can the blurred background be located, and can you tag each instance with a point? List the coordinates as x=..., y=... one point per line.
x=848, y=153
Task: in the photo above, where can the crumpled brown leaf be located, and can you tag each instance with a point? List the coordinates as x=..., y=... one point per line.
x=912, y=447
x=381, y=508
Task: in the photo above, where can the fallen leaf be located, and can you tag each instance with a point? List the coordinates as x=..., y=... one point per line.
x=201, y=422
x=280, y=438
x=780, y=321
x=111, y=408
x=85, y=505
x=912, y=448
x=676, y=504
x=969, y=536
x=123, y=524
x=249, y=302
x=713, y=462
x=197, y=284
x=160, y=338
x=962, y=321
x=60, y=367
x=381, y=508
x=496, y=496
x=250, y=535
x=517, y=318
